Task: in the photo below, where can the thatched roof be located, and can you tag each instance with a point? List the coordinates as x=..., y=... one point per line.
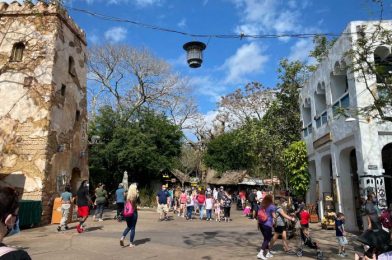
x=182, y=177
x=227, y=178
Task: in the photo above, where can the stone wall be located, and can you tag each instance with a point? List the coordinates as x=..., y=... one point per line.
x=42, y=138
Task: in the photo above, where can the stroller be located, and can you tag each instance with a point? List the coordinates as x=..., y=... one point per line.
x=375, y=242
x=306, y=240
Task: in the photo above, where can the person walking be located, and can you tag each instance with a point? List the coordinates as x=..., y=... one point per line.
x=266, y=216
x=280, y=225
x=201, y=202
x=100, y=200
x=163, y=202
x=209, y=206
x=217, y=212
x=372, y=213
x=9, y=209
x=226, y=202
x=65, y=206
x=340, y=234
x=189, y=205
x=253, y=203
x=83, y=200
x=130, y=214
x=182, y=203
x=120, y=200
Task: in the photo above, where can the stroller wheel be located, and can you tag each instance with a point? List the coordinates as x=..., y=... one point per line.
x=299, y=252
x=319, y=255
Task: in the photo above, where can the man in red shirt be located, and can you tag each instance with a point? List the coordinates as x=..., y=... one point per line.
x=242, y=196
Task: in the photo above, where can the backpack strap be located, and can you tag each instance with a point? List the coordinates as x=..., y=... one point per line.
x=5, y=250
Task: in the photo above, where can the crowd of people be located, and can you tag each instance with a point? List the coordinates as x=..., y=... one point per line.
x=192, y=202
x=274, y=218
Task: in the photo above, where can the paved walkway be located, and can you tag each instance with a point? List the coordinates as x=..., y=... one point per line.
x=174, y=239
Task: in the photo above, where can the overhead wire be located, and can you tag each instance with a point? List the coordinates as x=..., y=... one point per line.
x=219, y=36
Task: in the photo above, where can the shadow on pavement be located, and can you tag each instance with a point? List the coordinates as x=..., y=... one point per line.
x=89, y=229
x=142, y=241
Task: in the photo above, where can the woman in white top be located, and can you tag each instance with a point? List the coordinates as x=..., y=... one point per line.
x=209, y=206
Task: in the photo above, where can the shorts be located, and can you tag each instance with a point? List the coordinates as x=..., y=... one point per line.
x=305, y=225
x=342, y=240
x=280, y=229
x=83, y=211
x=254, y=205
x=162, y=208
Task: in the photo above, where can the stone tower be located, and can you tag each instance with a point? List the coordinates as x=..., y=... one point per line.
x=43, y=106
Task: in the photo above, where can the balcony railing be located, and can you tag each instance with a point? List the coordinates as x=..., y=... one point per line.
x=322, y=119
x=342, y=103
x=307, y=130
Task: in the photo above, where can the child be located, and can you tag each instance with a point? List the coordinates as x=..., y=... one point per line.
x=209, y=204
x=247, y=210
x=340, y=234
x=217, y=211
x=304, y=218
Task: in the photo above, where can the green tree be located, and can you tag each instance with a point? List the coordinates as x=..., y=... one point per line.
x=226, y=152
x=296, y=167
x=144, y=148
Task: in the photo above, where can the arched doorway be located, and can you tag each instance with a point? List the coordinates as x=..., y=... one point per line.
x=75, y=180
x=387, y=165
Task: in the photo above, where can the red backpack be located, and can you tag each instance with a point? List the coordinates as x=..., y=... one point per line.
x=262, y=215
x=386, y=219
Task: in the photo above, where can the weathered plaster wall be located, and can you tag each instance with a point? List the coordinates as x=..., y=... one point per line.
x=40, y=138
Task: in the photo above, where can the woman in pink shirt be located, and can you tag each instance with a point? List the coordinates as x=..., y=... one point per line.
x=182, y=203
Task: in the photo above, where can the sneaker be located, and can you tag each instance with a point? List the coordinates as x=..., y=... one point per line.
x=122, y=242
x=261, y=256
x=344, y=253
x=94, y=218
x=178, y=214
x=131, y=245
x=79, y=229
x=341, y=255
x=269, y=255
x=273, y=252
x=59, y=228
x=100, y=220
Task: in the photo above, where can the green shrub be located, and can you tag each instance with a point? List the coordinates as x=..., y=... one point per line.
x=147, y=197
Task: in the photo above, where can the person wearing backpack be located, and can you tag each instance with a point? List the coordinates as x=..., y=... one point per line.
x=130, y=214
x=266, y=216
x=9, y=208
x=201, y=202
x=101, y=196
x=280, y=225
x=386, y=221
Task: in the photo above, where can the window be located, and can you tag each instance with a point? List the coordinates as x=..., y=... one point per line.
x=17, y=52
x=63, y=87
x=383, y=63
x=71, y=67
x=77, y=116
x=341, y=105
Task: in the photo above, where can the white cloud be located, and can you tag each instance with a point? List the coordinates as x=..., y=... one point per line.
x=300, y=51
x=115, y=34
x=270, y=16
x=249, y=59
x=182, y=23
x=207, y=86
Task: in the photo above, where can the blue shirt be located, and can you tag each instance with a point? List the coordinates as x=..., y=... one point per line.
x=162, y=196
x=66, y=196
x=120, y=195
x=339, y=227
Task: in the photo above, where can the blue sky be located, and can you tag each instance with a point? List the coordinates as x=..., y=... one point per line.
x=228, y=63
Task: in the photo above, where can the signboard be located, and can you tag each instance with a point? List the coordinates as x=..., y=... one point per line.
x=322, y=140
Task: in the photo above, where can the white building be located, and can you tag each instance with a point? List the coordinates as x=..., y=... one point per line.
x=346, y=159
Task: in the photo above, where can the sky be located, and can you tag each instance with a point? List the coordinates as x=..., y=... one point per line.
x=228, y=63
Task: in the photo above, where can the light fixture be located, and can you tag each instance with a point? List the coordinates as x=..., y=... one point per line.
x=350, y=119
x=194, y=53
